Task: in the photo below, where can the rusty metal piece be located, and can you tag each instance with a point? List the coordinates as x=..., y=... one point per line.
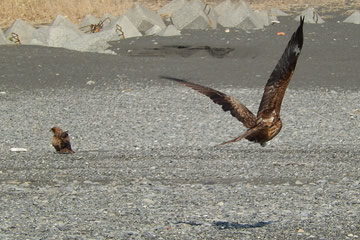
x=15, y=38
x=120, y=31
x=207, y=6
x=171, y=20
x=315, y=17
x=94, y=28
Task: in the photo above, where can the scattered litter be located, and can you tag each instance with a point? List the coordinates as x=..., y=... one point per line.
x=18, y=150
x=281, y=34
x=91, y=82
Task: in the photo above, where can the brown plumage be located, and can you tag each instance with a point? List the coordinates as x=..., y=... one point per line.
x=61, y=141
x=267, y=124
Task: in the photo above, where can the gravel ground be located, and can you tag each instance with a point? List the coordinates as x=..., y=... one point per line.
x=146, y=165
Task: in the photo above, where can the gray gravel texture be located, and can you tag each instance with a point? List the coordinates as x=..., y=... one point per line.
x=146, y=165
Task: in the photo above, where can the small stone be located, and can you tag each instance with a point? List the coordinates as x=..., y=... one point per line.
x=304, y=214
x=148, y=201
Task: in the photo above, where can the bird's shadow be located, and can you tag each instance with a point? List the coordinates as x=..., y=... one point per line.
x=234, y=225
x=181, y=50
x=221, y=225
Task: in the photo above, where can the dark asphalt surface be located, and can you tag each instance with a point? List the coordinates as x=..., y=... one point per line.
x=250, y=63
x=145, y=165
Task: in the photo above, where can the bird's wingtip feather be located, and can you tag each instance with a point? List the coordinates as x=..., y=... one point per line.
x=302, y=19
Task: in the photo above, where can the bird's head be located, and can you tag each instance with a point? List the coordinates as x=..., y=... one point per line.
x=56, y=130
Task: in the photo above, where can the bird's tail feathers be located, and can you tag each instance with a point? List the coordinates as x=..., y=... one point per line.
x=244, y=135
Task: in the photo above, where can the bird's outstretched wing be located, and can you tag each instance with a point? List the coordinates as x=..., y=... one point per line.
x=65, y=143
x=279, y=79
x=64, y=135
x=228, y=103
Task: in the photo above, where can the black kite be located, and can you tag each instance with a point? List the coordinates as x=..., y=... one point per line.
x=61, y=141
x=267, y=124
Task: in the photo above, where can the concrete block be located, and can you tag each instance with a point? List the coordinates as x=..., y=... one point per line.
x=3, y=39
x=170, y=30
x=353, y=18
x=41, y=36
x=143, y=18
x=96, y=42
x=153, y=30
x=56, y=36
x=245, y=18
x=311, y=16
x=192, y=16
x=60, y=32
x=63, y=21
x=239, y=16
x=197, y=3
x=251, y=21
x=37, y=42
x=224, y=7
x=277, y=12
x=264, y=16
x=224, y=11
x=168, y=9
x=25, y=31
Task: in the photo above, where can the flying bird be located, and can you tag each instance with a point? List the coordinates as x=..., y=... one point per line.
x=267, y=123
x=61, y=141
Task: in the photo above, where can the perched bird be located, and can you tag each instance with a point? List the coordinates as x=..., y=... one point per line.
x=61, y=141
x=267, y=124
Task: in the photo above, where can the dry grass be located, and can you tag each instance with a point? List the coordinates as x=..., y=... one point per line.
x=44, y=11
x=292, y=5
